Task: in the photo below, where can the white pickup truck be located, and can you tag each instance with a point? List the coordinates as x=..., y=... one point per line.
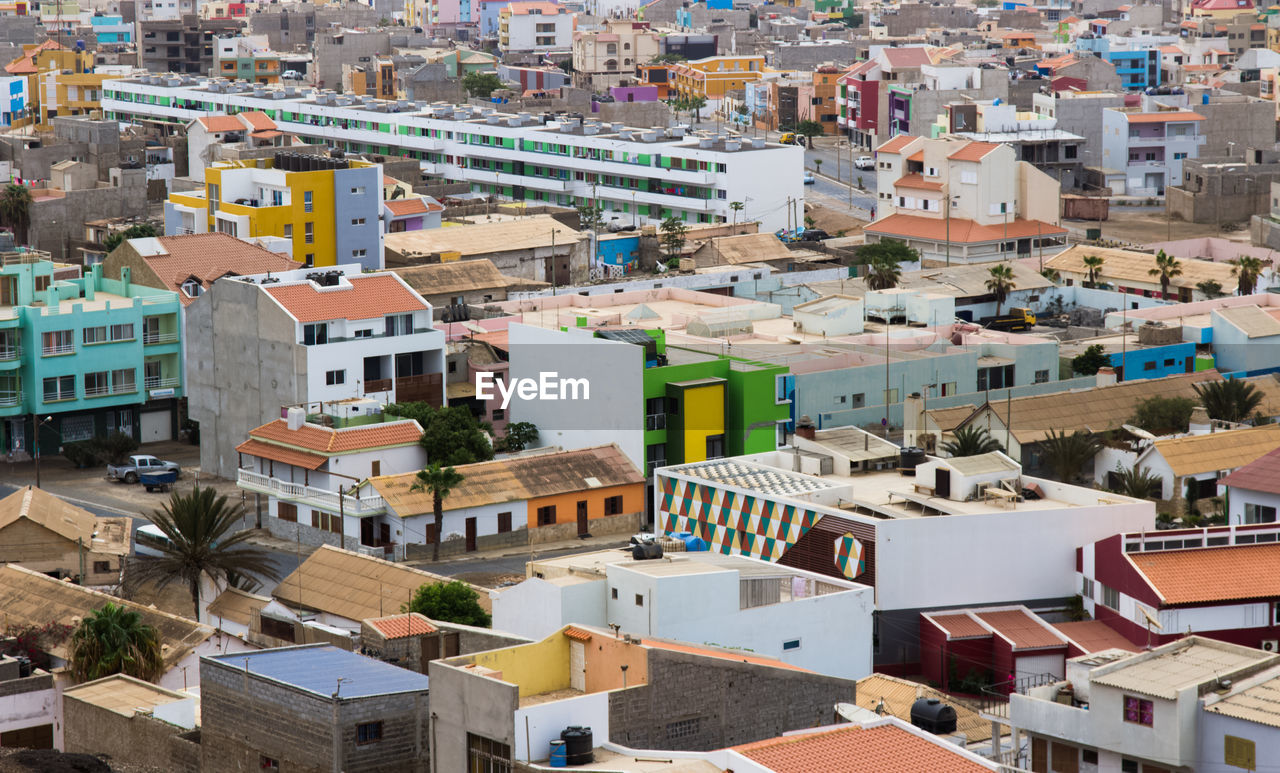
x=139, y=463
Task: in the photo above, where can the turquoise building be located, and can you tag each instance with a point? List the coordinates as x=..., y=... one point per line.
x=97, y=355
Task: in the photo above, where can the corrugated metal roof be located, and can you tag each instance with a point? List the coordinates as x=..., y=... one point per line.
x=317, y=669
x=237, y=605
x=1163, y=674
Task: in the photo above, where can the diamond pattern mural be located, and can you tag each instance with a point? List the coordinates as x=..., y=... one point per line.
x=729, y=521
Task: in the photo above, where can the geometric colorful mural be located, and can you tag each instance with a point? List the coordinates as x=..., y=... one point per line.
x=729, y=521
x=849, y=556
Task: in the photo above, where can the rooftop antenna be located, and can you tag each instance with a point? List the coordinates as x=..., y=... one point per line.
x=338, y=688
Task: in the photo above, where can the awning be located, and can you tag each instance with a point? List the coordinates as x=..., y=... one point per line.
x=459, y=390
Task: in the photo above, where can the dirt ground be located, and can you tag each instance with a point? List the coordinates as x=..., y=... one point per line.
x=50, y=761
x=833, y=221
x=1145, y=226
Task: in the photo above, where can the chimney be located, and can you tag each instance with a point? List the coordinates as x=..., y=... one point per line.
x=912, y=419
x=804, y=428
x=1106, y=376
x=1200, y=423
x=296, y=418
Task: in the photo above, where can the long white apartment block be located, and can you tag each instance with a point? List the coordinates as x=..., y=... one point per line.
x=639, y=176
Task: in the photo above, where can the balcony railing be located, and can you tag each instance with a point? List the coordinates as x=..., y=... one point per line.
x=10, y=352
x=50, y=351
x=97, y=391
x=159, y=382
x=10, y=398
x=159, y=338
x=297, y=492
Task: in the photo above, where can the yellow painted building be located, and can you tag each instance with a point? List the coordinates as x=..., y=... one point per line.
x=713, y=76
x=60, y=81
x=329, y=214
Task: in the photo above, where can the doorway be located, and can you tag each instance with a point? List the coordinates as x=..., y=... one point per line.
x=471, y=534
x=582, y=517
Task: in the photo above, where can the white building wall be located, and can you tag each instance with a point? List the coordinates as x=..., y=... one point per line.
x=1212, y=731
x=349, y=356
x=1237, y=498
x=536, y=726
x=33, y=709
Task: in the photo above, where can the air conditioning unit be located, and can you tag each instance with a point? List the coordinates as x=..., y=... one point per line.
x=1270, y=645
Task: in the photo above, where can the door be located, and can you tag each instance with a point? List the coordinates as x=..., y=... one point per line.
x=366, y=532
x=582, y=517
x=471, y=534
x=942, y=482
x=578, y=666
x=375, y=468
x=156, y=426
x=384, y=534
x=38, y=737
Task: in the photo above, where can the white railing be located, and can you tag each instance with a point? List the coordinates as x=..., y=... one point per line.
x=49, y=351
x=97, y=391
x=159, y=338
x=283, y=489
x=156, y=382
x=10, y=398
x=10, y=352
x=128, y=387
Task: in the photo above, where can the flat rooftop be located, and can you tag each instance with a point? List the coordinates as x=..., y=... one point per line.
x=102, y=301
x=670, y=565
x=1162, y=674
x=646, y=762
x=317, y=669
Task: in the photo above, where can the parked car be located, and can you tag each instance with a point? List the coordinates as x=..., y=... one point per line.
x=864, y=162
x=813, y=235
x=139, y=464
x=808, y=178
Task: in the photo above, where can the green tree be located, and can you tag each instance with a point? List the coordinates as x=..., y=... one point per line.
x=137, y=231
x=439, y=482
x=1167, y=268
x=450, y=435
x=1164, y=415
x=1051, y=274
x=667, y=59
x=1228, y=400
x=694, y=105
x=481, y=84
x=1066, y=454
x=673, y=235
x=1090, y=361
x=809, y=129
x=15, y=210
x=1001, y=283
x=1093, y=265
x=1136, y=482
x=114, y=640
x=736, y=206
x=590, y=216
x=1210, y=288
x=1246, y=269
x=520, y=435
x=882, y=259
x=201, y=543
x=971, y=440
x=882, y=273
x=449, y=602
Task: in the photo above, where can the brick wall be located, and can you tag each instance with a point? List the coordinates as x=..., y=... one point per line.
x=33, y=683
x=139, y=739
x=628, y=523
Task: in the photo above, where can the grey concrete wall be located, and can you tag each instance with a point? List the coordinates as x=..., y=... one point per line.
x=1205, y=196
x=915, y=18
x=463, y=703
x=1083, y=116
x=811, y=55
x=242, y=365
x=57, y=225
x=1246, y=121
x=138, y=739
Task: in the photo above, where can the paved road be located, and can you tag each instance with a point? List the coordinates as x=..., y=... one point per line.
x=836, y=194
x=837, y=167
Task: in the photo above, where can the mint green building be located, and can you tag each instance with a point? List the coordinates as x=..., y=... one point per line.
x=97, y=355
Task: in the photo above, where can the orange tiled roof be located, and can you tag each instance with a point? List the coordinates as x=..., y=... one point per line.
x=258, y=120
x=367, y=297
x=577, y=634
x=960, y=626
x=917, y=156
x=221, y=123
x=312, y=437
x=896, y=144
x=1017, y=626
x=1167, y=115
x=918, y=182
x=884, y=749
x=1094, y=636
x=963, y=231
x=209, y=257
x=418, y=206
x=401, y=626
x=290, y=456
x=1212, y=574
x=973, y=151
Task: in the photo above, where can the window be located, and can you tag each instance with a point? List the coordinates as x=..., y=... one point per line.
x=1138, y=710
x=655, y=456
x=715, y=447
x=1042, y=376
x=97, y=383
x=101, y=567
x=58, y=342
x=288, y=230
x=1086, y=588
x=267, y=763
x=363, y=333
x=504, y=523
x=1089, y=756
x=793, y=644
x=1110, y=598
x=95, y=335
x=309, y=233
x=357, y=221
x=499, y=414
x=399, y=325
x=191, y=288
x=639, y=599
x=368, y=732
x=277, y=629
x=613, y=505
x=359, y=253
x=59, y=388
x=891, y=395
x=122, y=332
x=42, y=283
x=1259, y=513
x=486, y=756
x=1149, y=365
x=335, y=377
x=75, y=428
x=287, y=512
x=317, y=333
x=613, y=593
x=546, y=515
x=309, y=260
x=326, y=521
x=124, y=381
x=357, y=191
x=307, y=202
x=684, y=728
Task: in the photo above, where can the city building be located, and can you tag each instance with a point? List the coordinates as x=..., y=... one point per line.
x=713, y=77
x=505, y=706
x=246, y=58
x=15, y=103
x=132, y=721
x=1034, y=137
x=215, y=138
x=1190, y=466
x=59, y=81
x=320, y=708
x=347, y=335
x=182, y=43
x=1129, y=272
x=189, y=265
x=1146, y=353
x=97, y=355
x=29, y=709
x=1149, y=143
x=656, y=174
x=463, y=282
x=411, y=640
x=1241, y=330
x=47, y=534
x=963, y=201
x=537, y=248
x=607, y=57
x=535, y=25
x=110, y=28
x=809, y=620
x=1253, y=490
x=329, y=209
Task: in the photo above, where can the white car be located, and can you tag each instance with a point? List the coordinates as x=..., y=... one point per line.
x=864, y=162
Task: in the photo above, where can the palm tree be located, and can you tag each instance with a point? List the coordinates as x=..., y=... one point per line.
x=15, y=210
x=1167, y=267
x=1094, y=264
x=440, y=482
x=1137, y=482
x=1001, y=283
x=883, y=273
x=114, y=640
x=1066, y=454
x=1210, y=288
x=971, y=440
x=1051, y=274
x=202, y=544
x=1246, y=269
x=1228, y=400
x=737, y=207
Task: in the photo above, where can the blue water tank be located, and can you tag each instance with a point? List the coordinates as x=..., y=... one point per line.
x=559, y=758
x=1204, y=98
x=995, y=101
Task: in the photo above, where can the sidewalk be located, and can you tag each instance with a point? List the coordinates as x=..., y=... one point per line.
x=528, y=552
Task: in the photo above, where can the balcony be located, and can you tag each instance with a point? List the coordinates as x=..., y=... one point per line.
x=149, y=338
x=10, y=398
x=159, y=382
x=309, y=495
x=10, y=352
x=425, y=388
x=53, y=351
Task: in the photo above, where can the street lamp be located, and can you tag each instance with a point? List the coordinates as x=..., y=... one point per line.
x=35, y=441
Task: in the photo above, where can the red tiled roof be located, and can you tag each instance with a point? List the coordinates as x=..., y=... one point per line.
x=323, y=440
x=291, y=456
x=973, y=151
x=911, y=56
x=401, y=626
x=896, y=144
x=918, y=182
x=577, y=634
x=367, y=297
x=418, y=206
x=1262, y=474
x=1162, y=117
x=1094, y=636
x=209, y=257
x=1222, y=5
x=1209, y=575
x=221, y=123
x=917, y=156
x=960, y=626
x=1024, y=631
x=884, y=749
x=962, y=231
x=258, y=120
x=267, y=134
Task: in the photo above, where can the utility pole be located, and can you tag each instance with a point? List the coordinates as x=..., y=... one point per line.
x=947, y=203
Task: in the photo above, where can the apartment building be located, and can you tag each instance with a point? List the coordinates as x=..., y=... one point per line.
x=1149, y=143
x=182, y=43
x=964, y=201
x=97, y=355
x=246, y=58
x=328, y=209
x=714, y=76
x=301, y=338
x=535, y=25
x=606, y=57
x=652, y=173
